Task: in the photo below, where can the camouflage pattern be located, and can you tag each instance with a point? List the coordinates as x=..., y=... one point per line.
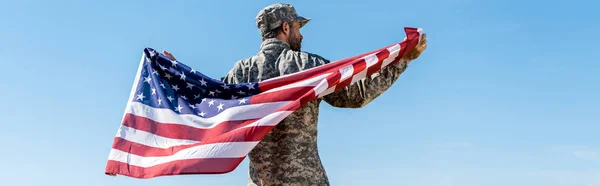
x=274, y=15
x=288, y=155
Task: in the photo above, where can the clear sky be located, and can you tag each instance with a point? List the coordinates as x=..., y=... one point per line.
x=505, y=94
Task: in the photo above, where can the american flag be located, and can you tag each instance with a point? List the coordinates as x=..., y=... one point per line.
x=179, y=121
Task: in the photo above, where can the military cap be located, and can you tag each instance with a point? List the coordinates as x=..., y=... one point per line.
x=274, y=15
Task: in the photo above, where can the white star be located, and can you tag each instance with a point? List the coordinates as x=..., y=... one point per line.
x=201, y=114
x=193, y=106
x=182, y=75
x=154, y=72
x=162, y=67
x=174, y=62
x=189, y=85
x=153, y=91
x=168, y=76
x=179, y=108
x=193, y=71
x=152, y=53
x=243, y=100
x=203, y=100
x=211, y=93
x=220, y=107
x=147, y=79
x=183, y=97
x=162, y=85
x=211, y=102
x=250, y=86
x=140, y=96
x=218, y=91
x=196, y=96
x=225, y=87
x=159, y=101
x=174, y=87
x=241, y=92
x=148, y=59
x=170, y=98
x=202, y=82
x=233, y=97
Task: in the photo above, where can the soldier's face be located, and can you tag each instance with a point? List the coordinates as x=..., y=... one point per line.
x=294, y=37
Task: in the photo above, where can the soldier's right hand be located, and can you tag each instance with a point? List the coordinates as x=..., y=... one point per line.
x=419, y=48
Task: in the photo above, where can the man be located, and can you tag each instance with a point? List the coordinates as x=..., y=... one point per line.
x=288, y=155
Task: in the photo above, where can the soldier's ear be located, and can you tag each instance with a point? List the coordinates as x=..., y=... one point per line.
x=286, y=28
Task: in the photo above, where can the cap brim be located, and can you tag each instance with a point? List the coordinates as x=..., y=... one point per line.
x=302, y=20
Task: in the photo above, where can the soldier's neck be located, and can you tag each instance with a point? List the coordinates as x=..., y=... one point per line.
x=274, y=44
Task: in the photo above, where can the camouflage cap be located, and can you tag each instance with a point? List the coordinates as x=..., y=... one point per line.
x=274, y=15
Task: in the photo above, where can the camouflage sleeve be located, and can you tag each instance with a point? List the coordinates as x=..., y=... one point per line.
x=364, y=91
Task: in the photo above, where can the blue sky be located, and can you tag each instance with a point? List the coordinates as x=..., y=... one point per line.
x=505, y=94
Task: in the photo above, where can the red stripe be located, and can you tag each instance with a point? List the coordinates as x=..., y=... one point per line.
x=289, y=94
x=334, y=80
x=241, y=135
x=179, y=167
x=178, y=131
x=360, y=66
x=412, y=39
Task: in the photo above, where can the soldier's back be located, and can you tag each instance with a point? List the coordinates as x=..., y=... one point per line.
x=288, y=155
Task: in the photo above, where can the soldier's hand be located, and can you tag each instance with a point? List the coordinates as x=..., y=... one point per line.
x=419, y=48
x=169, y=55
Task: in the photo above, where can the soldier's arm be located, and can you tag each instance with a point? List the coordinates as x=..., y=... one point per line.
x=369, y=88
x=364, y=91
x=354, y=95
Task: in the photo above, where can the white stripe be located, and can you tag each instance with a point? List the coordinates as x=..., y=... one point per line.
x=314, y=81
x=327, y=92
x=157, y=141
x=217, y=150
x=150, y=139
x=244, y=112
x=371, y=59
x=321, y=87
x=359, y=76
x=270, y=120
x=420, y=30
x=346, y=72
x=394, y=51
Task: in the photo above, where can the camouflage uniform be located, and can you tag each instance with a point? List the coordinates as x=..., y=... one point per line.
x=288, y=155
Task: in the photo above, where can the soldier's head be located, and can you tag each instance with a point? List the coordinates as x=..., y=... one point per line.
x=281, y=21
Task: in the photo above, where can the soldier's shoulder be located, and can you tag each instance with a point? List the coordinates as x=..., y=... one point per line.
x=303, y=57
x=244, y=63
x=238, y=69
x=315, y=56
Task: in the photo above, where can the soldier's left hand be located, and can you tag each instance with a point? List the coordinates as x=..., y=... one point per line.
x=169, y=55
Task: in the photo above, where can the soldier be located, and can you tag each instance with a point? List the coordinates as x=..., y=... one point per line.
x=288, y=155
